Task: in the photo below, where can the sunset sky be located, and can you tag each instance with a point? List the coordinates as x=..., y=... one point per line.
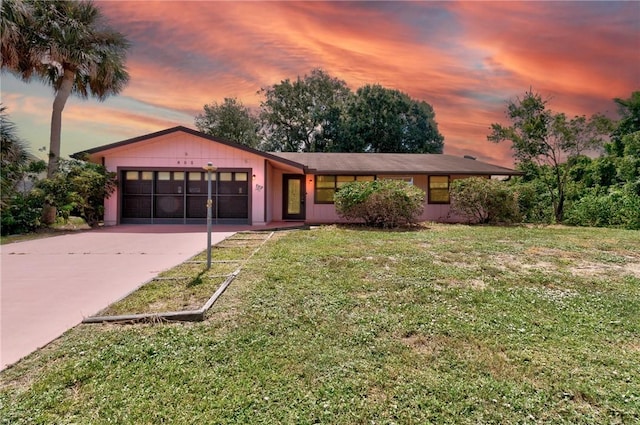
x=466, y=59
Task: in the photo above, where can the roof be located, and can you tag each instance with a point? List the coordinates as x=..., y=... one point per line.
x=342, y=163
x=191, y=131
x=392, y=163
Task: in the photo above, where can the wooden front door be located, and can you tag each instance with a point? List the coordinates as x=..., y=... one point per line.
x=293, y=197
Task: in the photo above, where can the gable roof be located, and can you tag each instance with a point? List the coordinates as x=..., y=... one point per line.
x=392, y=163
x=187, y=130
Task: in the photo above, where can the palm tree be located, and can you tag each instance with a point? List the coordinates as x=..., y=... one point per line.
x=13, y=156
x=15, y=14
x=64, y=43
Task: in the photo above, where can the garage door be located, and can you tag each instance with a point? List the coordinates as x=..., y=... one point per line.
x=181, y=196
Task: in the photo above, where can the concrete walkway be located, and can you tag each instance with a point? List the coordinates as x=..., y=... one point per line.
x=49, y=285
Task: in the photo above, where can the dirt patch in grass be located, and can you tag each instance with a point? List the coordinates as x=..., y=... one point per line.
x=429, y=345
x=442, y=348
x=587, y=269
x=445, y=285
x=572, y=263
x=633, y=346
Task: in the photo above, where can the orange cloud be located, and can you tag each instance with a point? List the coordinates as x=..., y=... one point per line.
x=464, y=58
x=559, y=48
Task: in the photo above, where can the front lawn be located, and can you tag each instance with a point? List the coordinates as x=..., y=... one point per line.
x=446, y=324
x=190, y=285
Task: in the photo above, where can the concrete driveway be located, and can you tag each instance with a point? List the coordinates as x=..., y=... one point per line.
x=49, y=285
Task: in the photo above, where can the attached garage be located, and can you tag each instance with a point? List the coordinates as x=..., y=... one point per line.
x=161, y=180
x=179, y=196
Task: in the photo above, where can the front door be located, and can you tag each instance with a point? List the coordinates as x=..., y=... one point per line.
x=293, y=197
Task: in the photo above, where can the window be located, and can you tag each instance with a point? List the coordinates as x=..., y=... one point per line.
x=135, y=183
x=407, y=179
x=326, y=186
x=438, y=189
x=169, y=182
x=131, y=175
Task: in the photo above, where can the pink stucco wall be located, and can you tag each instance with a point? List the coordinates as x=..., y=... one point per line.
x=269, y=193
x=183, y=151
x=275, y=188
x=326, y=213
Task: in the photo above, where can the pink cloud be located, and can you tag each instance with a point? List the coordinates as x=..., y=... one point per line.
x=573, y=49
x=466, y=59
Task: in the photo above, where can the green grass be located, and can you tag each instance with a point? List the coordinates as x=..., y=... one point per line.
x=189, y=285
x=447, y=324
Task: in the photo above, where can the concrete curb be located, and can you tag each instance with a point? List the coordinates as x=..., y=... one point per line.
x=176, y=316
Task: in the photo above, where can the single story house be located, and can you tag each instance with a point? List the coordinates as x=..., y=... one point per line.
x=161, y=179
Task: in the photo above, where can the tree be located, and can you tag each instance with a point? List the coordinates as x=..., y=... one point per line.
x=19, y=211
x=66, y=44
x=387, y=120
x=421, y=131
x=14, y=157
x=629, y=123
x=16, y=15
x=543, y=138
x=303, y=115
x=230, y=120
x=624, y=148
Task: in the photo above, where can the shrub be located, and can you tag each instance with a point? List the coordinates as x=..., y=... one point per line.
x=534, y=202
x=79, y=188
x=22, y=214
x=483, y=200
x=380, y=203
x=617, y=208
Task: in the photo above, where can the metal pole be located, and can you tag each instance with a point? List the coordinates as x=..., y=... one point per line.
x=210, y=168
x=209, y=205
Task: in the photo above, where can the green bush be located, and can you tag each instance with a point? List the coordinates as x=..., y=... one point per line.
x=79, y=188
x=483, y=200
x=616, y=208
x=21, y=214
x=534, y=202
x=380, y=203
